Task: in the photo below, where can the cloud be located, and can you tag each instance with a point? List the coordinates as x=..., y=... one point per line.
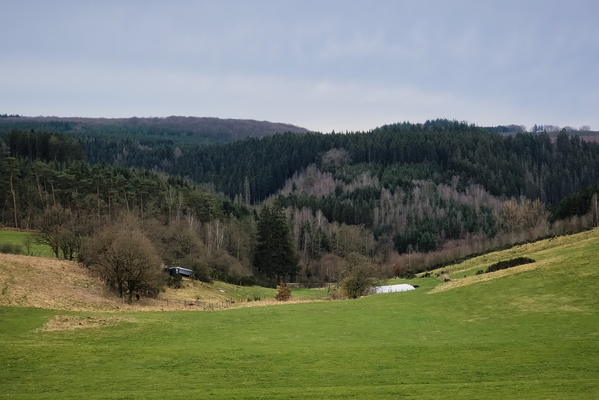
x=327, y=104
x=340, y=65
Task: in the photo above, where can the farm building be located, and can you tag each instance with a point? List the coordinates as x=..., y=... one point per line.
x=180, y=271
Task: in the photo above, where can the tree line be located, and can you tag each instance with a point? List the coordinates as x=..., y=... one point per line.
x=405, y=196
x=175, y=130
x=533, y=165
x=78, y=209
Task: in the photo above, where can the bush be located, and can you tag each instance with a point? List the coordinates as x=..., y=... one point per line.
x=407, y=275
x=246, y=281
x=359, y=276
x=334, y=293
x=175, y=281
x=10, y=248
x=403, y=272
x=200, y=268
x=509, y=264
x=283, y=292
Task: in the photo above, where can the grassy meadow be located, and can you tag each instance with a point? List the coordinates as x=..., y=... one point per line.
x=531, y=332
x=24, y=241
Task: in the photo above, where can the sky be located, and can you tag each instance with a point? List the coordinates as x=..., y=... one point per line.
x=324, y=65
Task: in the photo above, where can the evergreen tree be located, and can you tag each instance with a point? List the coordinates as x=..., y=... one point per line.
x=275, y=257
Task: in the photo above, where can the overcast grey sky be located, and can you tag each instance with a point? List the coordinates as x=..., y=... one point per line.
x=324, y=65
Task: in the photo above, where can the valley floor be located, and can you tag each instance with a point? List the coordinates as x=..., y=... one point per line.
x=530, y=333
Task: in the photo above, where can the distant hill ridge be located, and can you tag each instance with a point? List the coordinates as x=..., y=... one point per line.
x=190, y=128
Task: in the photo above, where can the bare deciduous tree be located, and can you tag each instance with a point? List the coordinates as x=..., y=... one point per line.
x=334, y=159
x=126, y=259
x=56, y=229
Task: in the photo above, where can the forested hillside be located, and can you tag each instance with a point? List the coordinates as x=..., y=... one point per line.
x=409, y=196
x=526, y=164
x=173, y=130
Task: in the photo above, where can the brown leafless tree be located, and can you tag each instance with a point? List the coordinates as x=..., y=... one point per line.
x=126, y=259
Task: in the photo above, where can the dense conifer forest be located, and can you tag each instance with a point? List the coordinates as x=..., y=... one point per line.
x=408, y=196
x=171, y=130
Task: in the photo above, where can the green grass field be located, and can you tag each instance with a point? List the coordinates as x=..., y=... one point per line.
x=527, y=334
x=20, y=238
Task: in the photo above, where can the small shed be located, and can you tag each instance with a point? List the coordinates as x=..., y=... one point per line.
x=404, y=287
x=179, y=271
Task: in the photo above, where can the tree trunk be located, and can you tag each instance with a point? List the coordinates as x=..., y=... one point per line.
x=39, y=191
x=14, y=200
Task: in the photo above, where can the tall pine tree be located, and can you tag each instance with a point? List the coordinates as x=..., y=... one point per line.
x=275, y=257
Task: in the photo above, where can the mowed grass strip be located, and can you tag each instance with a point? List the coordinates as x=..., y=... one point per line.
x=528, y=335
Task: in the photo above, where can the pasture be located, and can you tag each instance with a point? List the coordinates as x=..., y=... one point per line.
x=24, y=241
x=522, y=333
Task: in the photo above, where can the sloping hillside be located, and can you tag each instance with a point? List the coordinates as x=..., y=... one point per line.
x=564, y=268
x=568, y=264
x=175, y=128
x=63, y=285
x=49, y=283
x=522, y=333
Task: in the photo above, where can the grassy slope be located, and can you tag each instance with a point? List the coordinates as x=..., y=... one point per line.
x=530, y=334
x=50, y=283
x=63, y=285
x=19, y=238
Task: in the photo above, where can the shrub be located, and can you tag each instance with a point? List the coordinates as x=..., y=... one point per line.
x=359, y=276
x=283, y=292
x=175, y=281
x=200, y=269
x=509, y=264
x=28, y=243
x=334, y=293
x=246, y=281
x=10, y=248
x=403, y=272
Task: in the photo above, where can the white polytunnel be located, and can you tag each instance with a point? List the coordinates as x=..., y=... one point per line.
x=404, y=287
